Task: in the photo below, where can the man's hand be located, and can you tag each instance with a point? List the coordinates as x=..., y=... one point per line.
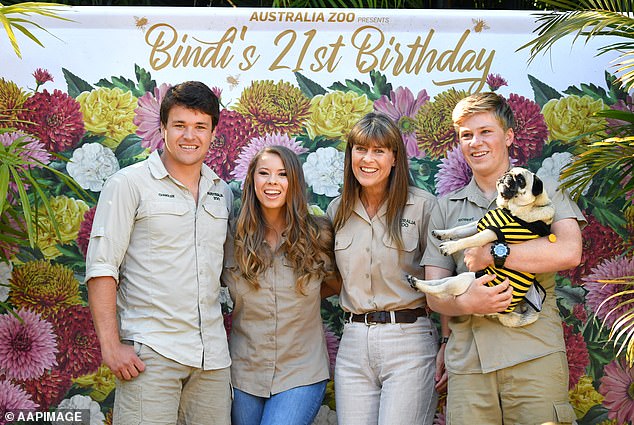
x=123, y=361
x=482, y=299
x=441, y=373
x=478, y=258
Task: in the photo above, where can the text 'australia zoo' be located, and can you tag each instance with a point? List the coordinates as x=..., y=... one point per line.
x=298, y=51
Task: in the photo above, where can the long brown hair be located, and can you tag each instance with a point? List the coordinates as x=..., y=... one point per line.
x=376, y=130
x=307, y=240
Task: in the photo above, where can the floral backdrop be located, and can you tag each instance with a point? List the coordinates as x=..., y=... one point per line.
x=49, y=353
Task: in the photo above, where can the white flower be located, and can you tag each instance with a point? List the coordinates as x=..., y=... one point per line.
x=91, y=165
x=552, y=166
x=224, y=297
x=5, y=274
x=325, y=416
x=324, y=171
x=82, y=402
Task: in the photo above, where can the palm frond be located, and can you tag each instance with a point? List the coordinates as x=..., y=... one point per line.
x=10, y=23
x=622, y=329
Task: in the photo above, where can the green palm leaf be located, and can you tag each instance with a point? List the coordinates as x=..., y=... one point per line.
x=622, y=330
x=11, y=23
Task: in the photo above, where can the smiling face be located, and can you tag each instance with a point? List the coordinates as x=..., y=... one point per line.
x=485, y=143
x=270, y=181
x=188, y=134
x=372, y=165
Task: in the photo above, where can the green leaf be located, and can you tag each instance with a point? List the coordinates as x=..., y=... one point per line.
x=146, y=83
x=543, y=92
x=4, y=185
x=595, y=92
x=381, y=86
x=127, y=142
x=75, y=84
x=594, y=415
x=308, y=86
x=570, y=296
x=121, y=83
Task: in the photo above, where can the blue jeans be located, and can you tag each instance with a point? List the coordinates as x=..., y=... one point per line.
x=297, y=406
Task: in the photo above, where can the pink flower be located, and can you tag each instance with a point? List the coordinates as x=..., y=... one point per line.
x=495, y=81
x=54, y=118
x=33, y=152
x=579, y=312
x=27, y=345
x=148, y=119
x=42, y=76
x=531, y=130
x=79, y=352
x=217, y=91
x=332, y=344
x=13, y=398
x=599, y=292
x=577, y=354
x=453, y=172
x=616, y=386
x=83, y=236
x=401, y=107
x=233, y=132
x=599, y=242
x=256, y=144
x=49, y=389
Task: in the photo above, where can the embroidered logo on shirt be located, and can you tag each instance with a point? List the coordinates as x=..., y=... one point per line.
x=466, y=219
x=217, y=196
x=406, y=222
x=167, y=195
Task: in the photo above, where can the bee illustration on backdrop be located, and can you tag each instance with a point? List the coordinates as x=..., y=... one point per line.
x=479, y=25
x=233, y=81
x=141, y=22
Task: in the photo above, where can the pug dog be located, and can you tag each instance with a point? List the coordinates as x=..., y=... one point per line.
x=523, y=205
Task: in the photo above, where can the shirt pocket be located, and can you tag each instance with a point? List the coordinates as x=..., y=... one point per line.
x=410, y=240
x=170, y=216
x=215, y=226
x=343, y=253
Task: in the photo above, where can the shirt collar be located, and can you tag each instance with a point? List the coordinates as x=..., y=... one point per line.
x=158, y=170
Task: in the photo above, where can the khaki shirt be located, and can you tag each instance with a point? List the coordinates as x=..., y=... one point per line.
x=368, y=259
x=277, y=338
x=166, y=254
x=480, y=344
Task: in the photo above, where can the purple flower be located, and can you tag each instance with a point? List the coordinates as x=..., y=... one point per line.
x=148, y=119
x=401, y=107
x=332, y=344
x=453, y=172
x=256, y=144
x=33, y=152
x=13, y=398
x=599, y=292
x=27, y=345
x=495, y=81
x=616, y=386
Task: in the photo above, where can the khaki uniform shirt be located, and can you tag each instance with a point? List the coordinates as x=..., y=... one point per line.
x=166, y=254
x=277, y=337
x=368, y=259
x=480, y=344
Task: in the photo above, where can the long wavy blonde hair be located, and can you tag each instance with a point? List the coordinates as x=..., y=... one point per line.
x=307, y=240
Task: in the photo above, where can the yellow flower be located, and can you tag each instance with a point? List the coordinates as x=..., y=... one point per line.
x=315, y=210
x=68, y=214
x=11, y=100
x=572, y=116
x=108, y=112
x=583, y=396
x=335, y=113
x=101, y=381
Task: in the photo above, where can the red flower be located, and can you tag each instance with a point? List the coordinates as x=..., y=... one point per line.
x=54, y=118
x=577, y=354
x=83, y=236
x=531, y=130
x=79, y=352
x=233, y=132
x=42, y=76
x=49, y=389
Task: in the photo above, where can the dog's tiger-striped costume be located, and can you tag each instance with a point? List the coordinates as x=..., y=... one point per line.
x=511, y=229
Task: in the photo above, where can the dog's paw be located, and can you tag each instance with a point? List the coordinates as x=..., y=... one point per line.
x=448, y=247
x=412, y=281
x=441, y=234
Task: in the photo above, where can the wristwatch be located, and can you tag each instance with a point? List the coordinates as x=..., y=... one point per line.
x=499, y=251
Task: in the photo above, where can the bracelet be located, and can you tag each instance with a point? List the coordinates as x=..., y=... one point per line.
x=443, y=340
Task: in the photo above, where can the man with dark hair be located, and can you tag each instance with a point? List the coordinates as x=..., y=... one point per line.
x=497, y=374
x=153, y=268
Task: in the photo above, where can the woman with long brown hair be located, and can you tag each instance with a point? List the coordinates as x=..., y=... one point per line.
x=281, y=265
x=386, y=361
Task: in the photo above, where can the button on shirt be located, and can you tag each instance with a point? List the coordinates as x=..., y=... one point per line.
x=166, y=252
x=368, y=259
x=481, y=344
x=277, y=338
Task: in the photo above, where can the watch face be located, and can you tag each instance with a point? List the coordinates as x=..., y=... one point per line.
x=500, y=250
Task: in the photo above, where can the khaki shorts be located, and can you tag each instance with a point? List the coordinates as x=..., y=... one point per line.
x=530, y=393
x=168, y=392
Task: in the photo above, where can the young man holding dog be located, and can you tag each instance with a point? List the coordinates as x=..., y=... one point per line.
x=497, y=374
x=153, y=273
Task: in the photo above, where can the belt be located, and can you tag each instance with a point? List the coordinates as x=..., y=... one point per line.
x=375, y=317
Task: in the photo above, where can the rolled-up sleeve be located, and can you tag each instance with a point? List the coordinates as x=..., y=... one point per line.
x=111, y=229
